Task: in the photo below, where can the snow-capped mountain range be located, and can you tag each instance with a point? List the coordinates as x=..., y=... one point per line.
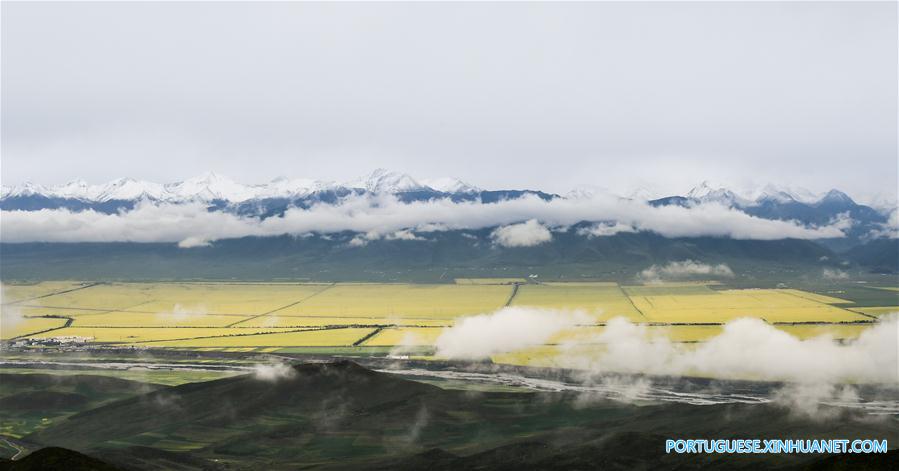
x=767, y=195
x=212, y=186
x=276, y=197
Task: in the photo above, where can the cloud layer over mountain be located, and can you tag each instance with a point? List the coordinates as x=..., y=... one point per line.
x=379, y=215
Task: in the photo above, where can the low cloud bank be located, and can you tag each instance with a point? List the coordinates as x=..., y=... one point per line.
x=684, y=269
x=506, y=330
x=193, y=225
x=746, y=349
x=526, y=234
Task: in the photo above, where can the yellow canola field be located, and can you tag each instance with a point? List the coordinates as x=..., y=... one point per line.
x=141, y=334
x=402, y=301
x=162, y=319
x=722, y=306
x=414, y=336
x=580, y=283
x=601, y=301
x=837, y=331
x=592, y=334
x=107, y=296
x=309, y=338
x=701, y=333
x=668, y=289
x=47, y=311
x=10, y=328
x=169, y=313
x=15, y=292
x=277, y=320
x=213, y=298
x=489, y=281
x=545, y=356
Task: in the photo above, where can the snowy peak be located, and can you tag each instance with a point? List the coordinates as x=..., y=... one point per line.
x=283, y=187
x=385, y=181
x=705, y=192
x=208, y=187
x=74, y=189
x=126, y=189
x=450, y=185
x=211, y=186
x=702, y=190
x=27, y=189
x=836, y=197
x=771, y=193
x=768, y=196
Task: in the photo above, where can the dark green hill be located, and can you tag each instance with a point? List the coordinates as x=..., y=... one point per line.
x=56, y=459
x=340, y=415
x=437, y=256
x=881, y=255
x=36, y=400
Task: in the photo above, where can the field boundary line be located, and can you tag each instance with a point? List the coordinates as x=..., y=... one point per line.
x=626, y=296
x=326, y=288
x=252, y=334
x=846, y=309
x=68, y=323
x=91, y=285
x=368, y=336
x=512, y=296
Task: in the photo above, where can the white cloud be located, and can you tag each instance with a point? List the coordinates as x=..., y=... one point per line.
x=273, y=372
x=181, y=312
x=193, y=224
x=829, y=274
x=605, y=229
x=10, y=315
x=526, y=234
x=888, y=229
x=193, y=241
x=404, y=234
x=684, y=269
x=747, y=349
x=506, y=330
x=360, y=240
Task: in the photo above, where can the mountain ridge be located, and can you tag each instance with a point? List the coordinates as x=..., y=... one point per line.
x=861, y=223
x=211, y=186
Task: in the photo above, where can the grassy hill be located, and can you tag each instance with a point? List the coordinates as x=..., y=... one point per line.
x=335, y=415
x=31, y=401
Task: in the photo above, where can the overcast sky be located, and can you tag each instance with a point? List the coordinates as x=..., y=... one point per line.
x=543, y=96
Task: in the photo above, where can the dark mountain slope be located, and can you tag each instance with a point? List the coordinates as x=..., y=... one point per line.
x=35, y=400
x=881, y=255
x=340, y=415
x=437, y=256
x=56, y=459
